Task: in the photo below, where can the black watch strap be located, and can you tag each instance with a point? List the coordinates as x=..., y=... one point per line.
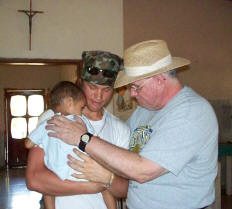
x=83, y=142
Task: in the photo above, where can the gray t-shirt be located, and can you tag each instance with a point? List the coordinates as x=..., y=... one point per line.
x=183, y=138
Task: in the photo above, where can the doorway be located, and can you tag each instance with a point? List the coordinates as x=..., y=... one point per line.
x=23, y=107
x=23, y=74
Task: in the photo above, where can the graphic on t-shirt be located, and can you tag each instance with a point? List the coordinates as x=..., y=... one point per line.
x=139, y=138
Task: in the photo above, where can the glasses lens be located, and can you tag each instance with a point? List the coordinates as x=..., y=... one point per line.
x=93, y=70
x=108, y=73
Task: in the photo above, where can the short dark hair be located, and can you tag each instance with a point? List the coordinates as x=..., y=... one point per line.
x=62, y=90
x=172, y=73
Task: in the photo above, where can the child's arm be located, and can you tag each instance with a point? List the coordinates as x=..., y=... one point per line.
x=49, y=202
x=109, y=200
x=40, y=179
x=29, y=144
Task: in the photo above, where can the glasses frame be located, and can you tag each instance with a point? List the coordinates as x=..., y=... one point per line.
x=138, y=88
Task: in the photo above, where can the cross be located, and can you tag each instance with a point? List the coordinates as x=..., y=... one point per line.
x=30, y=13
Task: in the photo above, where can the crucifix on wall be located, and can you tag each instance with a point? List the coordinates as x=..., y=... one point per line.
x=30, y=13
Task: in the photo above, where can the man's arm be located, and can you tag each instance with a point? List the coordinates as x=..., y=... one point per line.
x=119, y=187
x=49, y=201
x=109, y=200
x=89, y=169
x=124, y=163
x=127, y=164
x=40, y=179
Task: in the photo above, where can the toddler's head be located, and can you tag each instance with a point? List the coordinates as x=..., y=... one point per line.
x=67, y=98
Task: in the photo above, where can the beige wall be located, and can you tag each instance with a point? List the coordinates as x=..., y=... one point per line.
x=69, y=73
x=31, y=77
x=63, y=31
x=198, y=30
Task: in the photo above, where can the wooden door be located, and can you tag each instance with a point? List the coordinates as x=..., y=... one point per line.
x=23, y=108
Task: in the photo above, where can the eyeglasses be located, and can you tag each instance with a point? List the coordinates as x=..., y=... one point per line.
x=105, y=73
x=137, y=88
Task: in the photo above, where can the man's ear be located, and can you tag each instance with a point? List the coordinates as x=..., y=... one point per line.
x=160, y=78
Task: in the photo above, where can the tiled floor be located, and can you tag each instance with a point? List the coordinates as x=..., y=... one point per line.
x=15, y=195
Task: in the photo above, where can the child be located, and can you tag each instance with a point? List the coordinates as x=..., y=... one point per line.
x=66, y=99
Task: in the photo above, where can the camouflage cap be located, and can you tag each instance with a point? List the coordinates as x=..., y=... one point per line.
x=105, y=66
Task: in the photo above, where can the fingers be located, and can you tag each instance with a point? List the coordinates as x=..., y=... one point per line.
x=78, y=119
x=89, y=169
x=79, y=176
x=57, y=131
x=75, y=164
x=58, y=121
x=64, y=129
x=76, y=167
x=81, y=155
x=54, y=125
x=80, y=122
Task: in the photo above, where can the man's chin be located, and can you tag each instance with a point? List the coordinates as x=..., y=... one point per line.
x=95, y=108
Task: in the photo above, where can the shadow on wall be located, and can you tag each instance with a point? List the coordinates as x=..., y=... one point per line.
x=223, y=110
x=2, y=158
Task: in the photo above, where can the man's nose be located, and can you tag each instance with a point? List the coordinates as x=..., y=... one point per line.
x=133, y=92
x=98, y=94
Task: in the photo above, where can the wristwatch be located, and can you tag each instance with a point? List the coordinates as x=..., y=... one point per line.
x=85, y=139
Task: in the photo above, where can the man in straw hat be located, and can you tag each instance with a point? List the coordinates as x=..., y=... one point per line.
x=172, y=162
x=100, y=69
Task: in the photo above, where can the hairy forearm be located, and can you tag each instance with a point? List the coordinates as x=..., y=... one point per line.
x=122, y=162
x=39, y=178
x=114, y=158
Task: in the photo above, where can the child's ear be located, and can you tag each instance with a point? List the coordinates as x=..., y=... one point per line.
x=68, y=101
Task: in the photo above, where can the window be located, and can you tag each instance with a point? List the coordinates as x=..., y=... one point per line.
x=23, y=107
x=25, y=111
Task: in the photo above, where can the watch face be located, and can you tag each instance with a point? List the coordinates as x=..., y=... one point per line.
x=85, y=138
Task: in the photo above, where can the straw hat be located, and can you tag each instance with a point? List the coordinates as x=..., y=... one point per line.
x=146, y=59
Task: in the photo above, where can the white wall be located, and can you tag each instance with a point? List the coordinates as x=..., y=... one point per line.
x=63, y=31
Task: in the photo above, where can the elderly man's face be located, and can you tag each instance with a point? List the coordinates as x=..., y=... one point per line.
x=97, y=96
x=148, y=92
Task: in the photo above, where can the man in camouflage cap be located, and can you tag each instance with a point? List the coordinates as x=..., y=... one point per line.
x=99, y=72
x=100, y=67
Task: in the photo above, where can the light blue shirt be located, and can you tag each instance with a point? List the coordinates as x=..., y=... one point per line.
x=56, y=150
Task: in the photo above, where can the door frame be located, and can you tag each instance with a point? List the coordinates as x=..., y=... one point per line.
x=8, y=92
x=35, y=62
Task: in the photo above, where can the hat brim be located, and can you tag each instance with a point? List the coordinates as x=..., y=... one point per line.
x=122, y=79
